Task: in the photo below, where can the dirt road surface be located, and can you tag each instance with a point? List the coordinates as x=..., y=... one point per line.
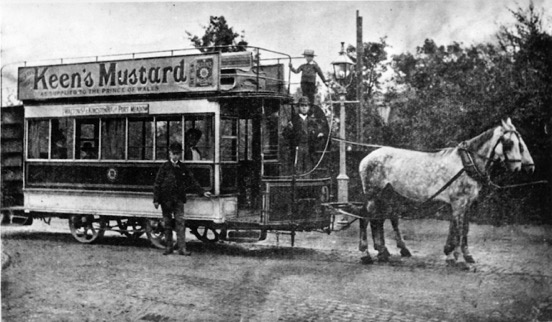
x=52, y=277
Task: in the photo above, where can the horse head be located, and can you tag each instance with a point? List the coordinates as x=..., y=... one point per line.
x=512, y=150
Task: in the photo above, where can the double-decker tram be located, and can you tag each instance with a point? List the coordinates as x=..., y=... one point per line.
x=96, y=133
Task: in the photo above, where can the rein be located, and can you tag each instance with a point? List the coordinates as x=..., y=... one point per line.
x=469, y=165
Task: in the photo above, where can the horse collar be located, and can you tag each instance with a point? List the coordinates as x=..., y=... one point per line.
x=469, y=165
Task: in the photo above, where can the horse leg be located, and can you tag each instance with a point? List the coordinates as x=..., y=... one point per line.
x=379, y=241
x=363, y=243
x=458, y=216
x=449, y=245
x=465, y=250
x=398, y=237
x=363, y=246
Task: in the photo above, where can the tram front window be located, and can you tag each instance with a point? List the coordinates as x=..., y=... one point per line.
x=229, y=139
x=38, y=139
x=270, y=132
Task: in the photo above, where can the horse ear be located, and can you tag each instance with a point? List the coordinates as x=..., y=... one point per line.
x=507, y=123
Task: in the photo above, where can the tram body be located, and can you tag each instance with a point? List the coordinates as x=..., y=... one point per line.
x=96, y=134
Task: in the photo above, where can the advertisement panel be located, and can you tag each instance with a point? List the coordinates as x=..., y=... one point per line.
x=174, y=74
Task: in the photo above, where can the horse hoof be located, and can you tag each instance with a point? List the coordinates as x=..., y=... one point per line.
x=463, y=266
x=362, y=248
x=367, y=260
x=405, y=253
x=469, y=259
x=450, y=262
x=384, y=257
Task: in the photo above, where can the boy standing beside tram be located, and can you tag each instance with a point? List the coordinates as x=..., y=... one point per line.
x=308, y=71
x=171, y=183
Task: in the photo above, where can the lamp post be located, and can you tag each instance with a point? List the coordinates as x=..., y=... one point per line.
x=342, y=70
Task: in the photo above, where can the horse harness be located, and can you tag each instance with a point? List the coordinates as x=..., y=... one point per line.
x=471, y=168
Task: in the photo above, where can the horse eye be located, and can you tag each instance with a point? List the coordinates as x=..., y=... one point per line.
x=507, y=145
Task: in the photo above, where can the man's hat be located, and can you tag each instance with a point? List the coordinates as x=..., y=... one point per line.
x=175, y=147
x=195, y=133
x=308, y=52
x=303, y=100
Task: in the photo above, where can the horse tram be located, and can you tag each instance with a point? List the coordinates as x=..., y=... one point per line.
x=97, y=130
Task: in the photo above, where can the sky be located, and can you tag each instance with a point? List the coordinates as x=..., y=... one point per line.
x=37, y=31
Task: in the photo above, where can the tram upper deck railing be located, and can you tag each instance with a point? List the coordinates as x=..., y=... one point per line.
x=170, y=71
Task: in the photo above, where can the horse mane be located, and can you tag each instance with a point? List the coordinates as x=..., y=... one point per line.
x=477, y=142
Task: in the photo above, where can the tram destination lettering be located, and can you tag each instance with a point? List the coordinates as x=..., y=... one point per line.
x=123, y=77
x=106, y=109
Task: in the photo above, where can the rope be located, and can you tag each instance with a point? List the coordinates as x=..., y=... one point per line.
x=358, y=143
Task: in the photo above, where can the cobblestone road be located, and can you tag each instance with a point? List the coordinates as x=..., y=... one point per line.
x=51, y=277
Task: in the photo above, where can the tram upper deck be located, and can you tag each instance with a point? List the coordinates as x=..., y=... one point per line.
x=185, y=75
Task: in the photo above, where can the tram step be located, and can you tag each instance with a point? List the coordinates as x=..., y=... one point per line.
x=244, y=234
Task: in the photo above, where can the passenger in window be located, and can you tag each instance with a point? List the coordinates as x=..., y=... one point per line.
x=172, y=182
x=303, y=133
x=192, y=136
x=59, y=147
x=88, y=151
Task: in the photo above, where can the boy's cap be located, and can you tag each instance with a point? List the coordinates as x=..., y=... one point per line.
x=175, y=147
x=308, y=52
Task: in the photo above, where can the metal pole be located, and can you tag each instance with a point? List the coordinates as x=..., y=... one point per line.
x=360, y=54
x=342, y=178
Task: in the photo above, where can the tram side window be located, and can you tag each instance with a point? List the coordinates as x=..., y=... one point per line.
x=113, y=139
x=166, y=132
x=229, y=139
x=87, y=139
x=140, y=139
x=62, y=139
x=198, y=138
x=38, y=139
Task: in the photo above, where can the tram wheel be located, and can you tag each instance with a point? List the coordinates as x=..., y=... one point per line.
x=131, y=227
x=155, y=230
x=206, y=234
x=87, y=228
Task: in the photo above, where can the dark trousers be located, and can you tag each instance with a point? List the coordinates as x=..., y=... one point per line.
x=309, y=89
x=175, y=208
x=304, y=159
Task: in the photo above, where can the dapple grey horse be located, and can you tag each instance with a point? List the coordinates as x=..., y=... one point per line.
x=453, y=175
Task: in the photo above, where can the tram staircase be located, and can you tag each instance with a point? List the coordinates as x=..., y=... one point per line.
x=11, y=164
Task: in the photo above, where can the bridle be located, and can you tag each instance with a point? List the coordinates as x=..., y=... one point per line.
x=470, y=165
x=503, y=140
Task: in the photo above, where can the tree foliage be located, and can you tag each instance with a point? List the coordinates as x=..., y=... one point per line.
x=218, y=37
x=446, y=94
